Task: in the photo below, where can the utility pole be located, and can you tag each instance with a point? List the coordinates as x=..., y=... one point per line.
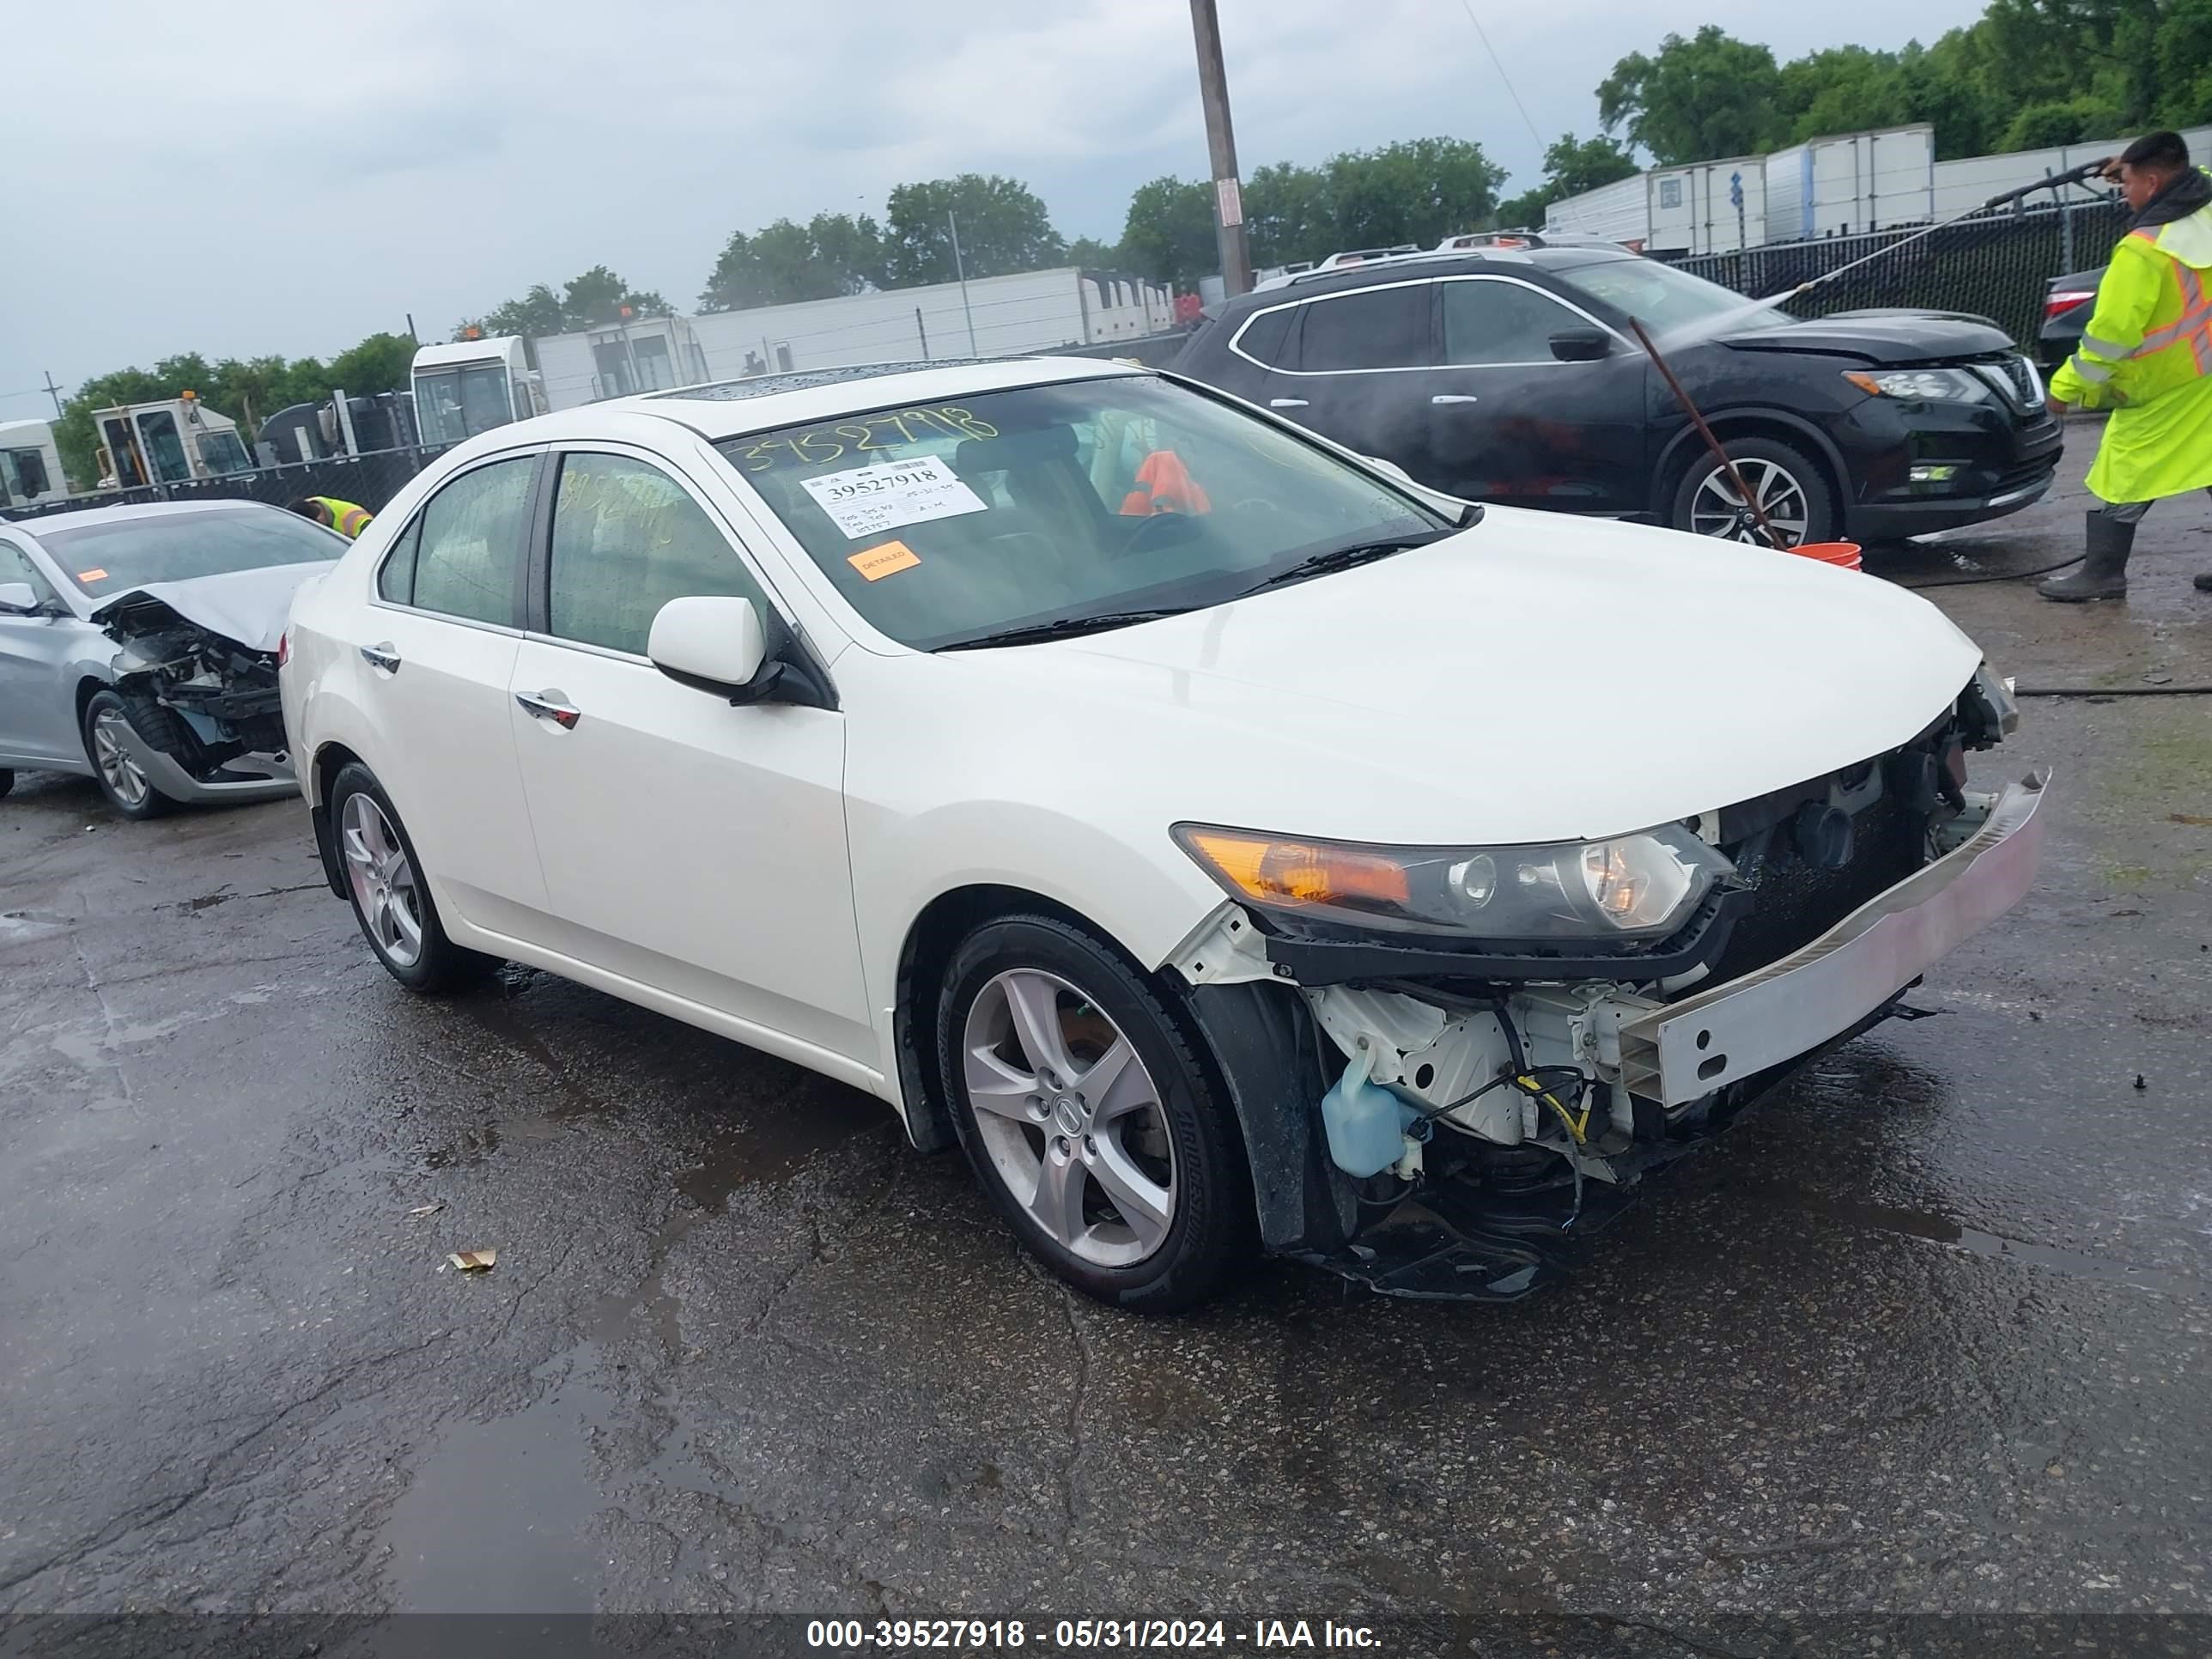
x=53, y=391
x=1221, y=147
x=960, y=266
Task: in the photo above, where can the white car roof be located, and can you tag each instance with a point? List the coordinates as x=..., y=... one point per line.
x=77, y=518
x=728, y=409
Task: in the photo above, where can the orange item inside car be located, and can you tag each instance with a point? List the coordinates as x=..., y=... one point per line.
x=1164, y=485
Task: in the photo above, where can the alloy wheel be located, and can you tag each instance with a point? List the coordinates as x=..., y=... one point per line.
x=385, y=886
x=1070, y=1117
x=1717, y=508
x=119, y=768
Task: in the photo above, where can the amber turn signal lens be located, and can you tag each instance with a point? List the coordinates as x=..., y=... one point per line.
x=1282, y=872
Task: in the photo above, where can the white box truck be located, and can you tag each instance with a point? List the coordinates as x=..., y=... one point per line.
x=473, y=386
x=1851, y=183
x=1708, y=207
x=30, y=464
x=1619, y=212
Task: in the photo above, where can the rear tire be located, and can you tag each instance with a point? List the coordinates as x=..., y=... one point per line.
x=109, y=716
x=1089, y=1117
x=391, y=899
x=1787, y=483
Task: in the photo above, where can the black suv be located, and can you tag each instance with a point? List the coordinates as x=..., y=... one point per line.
x=1511, y=375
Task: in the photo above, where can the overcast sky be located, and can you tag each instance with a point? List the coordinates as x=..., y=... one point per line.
x=258, y=177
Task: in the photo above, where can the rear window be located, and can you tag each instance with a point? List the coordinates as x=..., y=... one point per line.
x=106, y=559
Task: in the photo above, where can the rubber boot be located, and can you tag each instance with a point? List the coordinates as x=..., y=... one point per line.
x=2104, y=573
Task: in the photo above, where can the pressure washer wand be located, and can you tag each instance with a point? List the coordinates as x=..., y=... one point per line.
x=2055, y=181
x=1697, y=419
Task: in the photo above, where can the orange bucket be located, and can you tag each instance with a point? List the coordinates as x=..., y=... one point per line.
x=1845, y=554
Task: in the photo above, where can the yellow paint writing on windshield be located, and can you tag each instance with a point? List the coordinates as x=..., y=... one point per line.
x=860, y=436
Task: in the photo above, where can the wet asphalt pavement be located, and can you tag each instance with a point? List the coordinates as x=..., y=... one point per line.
x=1928, y=1333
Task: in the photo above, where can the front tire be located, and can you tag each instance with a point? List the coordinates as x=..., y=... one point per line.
x=1089, y=1118
x=111, y=720
x=1787, y=483
x=391, y=899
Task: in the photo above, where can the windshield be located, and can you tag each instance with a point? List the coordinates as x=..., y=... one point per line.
x=1667, y=301
x=945, y=523
x=106, y=559
x=453, y=404
x=224, y=451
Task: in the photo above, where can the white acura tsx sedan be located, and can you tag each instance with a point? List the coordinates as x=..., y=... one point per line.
x=1231, y=844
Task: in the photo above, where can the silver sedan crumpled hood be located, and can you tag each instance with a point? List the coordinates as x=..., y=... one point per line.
x=248, y=607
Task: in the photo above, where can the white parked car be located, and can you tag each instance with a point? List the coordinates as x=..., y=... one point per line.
x=1229, y=844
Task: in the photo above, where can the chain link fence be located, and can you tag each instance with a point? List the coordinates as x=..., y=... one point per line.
x=370, y=480
x=1999, y=267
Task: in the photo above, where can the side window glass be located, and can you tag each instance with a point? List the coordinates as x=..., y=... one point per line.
x=396, y=582
x=1378, y=328
x=628, y=538
x=472, y=539
x=16, y=566
x=1263, y=337
x=1492, y=322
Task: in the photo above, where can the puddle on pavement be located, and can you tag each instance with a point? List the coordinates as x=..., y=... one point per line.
x=499, y=1515
x=776, y=1139
x=1946, y=1231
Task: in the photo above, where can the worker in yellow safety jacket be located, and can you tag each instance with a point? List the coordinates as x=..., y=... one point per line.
x=2147, y=357
x=348, y=519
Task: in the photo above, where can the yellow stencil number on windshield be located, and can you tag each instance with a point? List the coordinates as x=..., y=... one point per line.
x=862, y=435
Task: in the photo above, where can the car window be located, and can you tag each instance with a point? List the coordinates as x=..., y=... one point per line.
x=628, y=538
x=396, y=582
x=472, y=539
x=16, y=566
x=945, y=523
x=1490, y=321
x=1376, y=328
x=1264, y=338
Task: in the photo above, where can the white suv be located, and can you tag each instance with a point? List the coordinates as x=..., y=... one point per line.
x=1229, y=843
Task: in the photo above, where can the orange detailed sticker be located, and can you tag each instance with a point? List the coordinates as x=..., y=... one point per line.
x=92, y=576
x=887, y=560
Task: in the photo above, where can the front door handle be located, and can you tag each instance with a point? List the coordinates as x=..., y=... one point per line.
x=550, y=706
x=381, y=656
x=1455, y=397
x=1288, y=402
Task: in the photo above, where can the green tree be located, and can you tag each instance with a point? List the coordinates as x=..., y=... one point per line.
x=1169, y=233
x=831, y=255
x=1697, y=99
x=1570, y=168
x=1287, y=215
x=1004, y=228
x=1091, y=254
x=1418, y=191
x=382, y=362
x=596, y=298
x=536, y=314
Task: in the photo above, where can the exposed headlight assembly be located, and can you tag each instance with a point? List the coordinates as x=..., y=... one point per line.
x=1630, y=887
x=1923, y=385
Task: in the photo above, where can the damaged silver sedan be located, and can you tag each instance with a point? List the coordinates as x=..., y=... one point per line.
x=138, y=647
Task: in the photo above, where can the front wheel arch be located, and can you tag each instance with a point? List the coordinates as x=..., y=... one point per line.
x=1685, y=447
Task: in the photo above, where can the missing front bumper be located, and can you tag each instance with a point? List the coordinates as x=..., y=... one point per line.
x=1793, y=1005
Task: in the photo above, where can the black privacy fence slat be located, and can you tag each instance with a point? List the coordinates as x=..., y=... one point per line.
x=369, y=481
x=1998, y=267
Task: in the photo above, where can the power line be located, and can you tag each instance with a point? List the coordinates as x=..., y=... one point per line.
x=1499, y=64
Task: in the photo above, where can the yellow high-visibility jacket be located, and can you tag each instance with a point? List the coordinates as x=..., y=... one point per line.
x=2147, y=356
x=348, y=519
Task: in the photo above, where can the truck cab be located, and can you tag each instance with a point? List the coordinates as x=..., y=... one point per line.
x=471, y=386
x=175, y=440
x=30, y=464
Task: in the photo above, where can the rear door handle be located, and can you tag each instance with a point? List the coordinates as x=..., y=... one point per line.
x=550, y=706
x=381, y=656
x=1288, y=402
x=1455, y=397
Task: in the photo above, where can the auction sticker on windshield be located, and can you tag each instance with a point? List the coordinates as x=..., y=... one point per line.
x=866, y=500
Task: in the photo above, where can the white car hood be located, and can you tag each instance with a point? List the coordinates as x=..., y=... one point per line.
x=1537, y=678
x=248, y=607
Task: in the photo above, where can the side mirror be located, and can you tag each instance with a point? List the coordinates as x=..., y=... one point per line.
x=1392, y=468
x=20, y=599
x=1581, y=345
x=716, y=644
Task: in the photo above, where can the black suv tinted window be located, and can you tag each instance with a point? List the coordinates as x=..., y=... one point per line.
x=1373, y=328
x=1263, y=338
x=628, y=538
x=471, y=540
x=1488, y=320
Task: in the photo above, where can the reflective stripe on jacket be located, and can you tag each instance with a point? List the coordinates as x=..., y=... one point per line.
x=347, y=519
x=2147, y=356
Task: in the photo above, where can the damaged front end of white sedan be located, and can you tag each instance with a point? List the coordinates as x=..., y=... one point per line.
x=1506, y=1040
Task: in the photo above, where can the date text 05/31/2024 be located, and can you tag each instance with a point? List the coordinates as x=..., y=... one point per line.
x=1086, y=1634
